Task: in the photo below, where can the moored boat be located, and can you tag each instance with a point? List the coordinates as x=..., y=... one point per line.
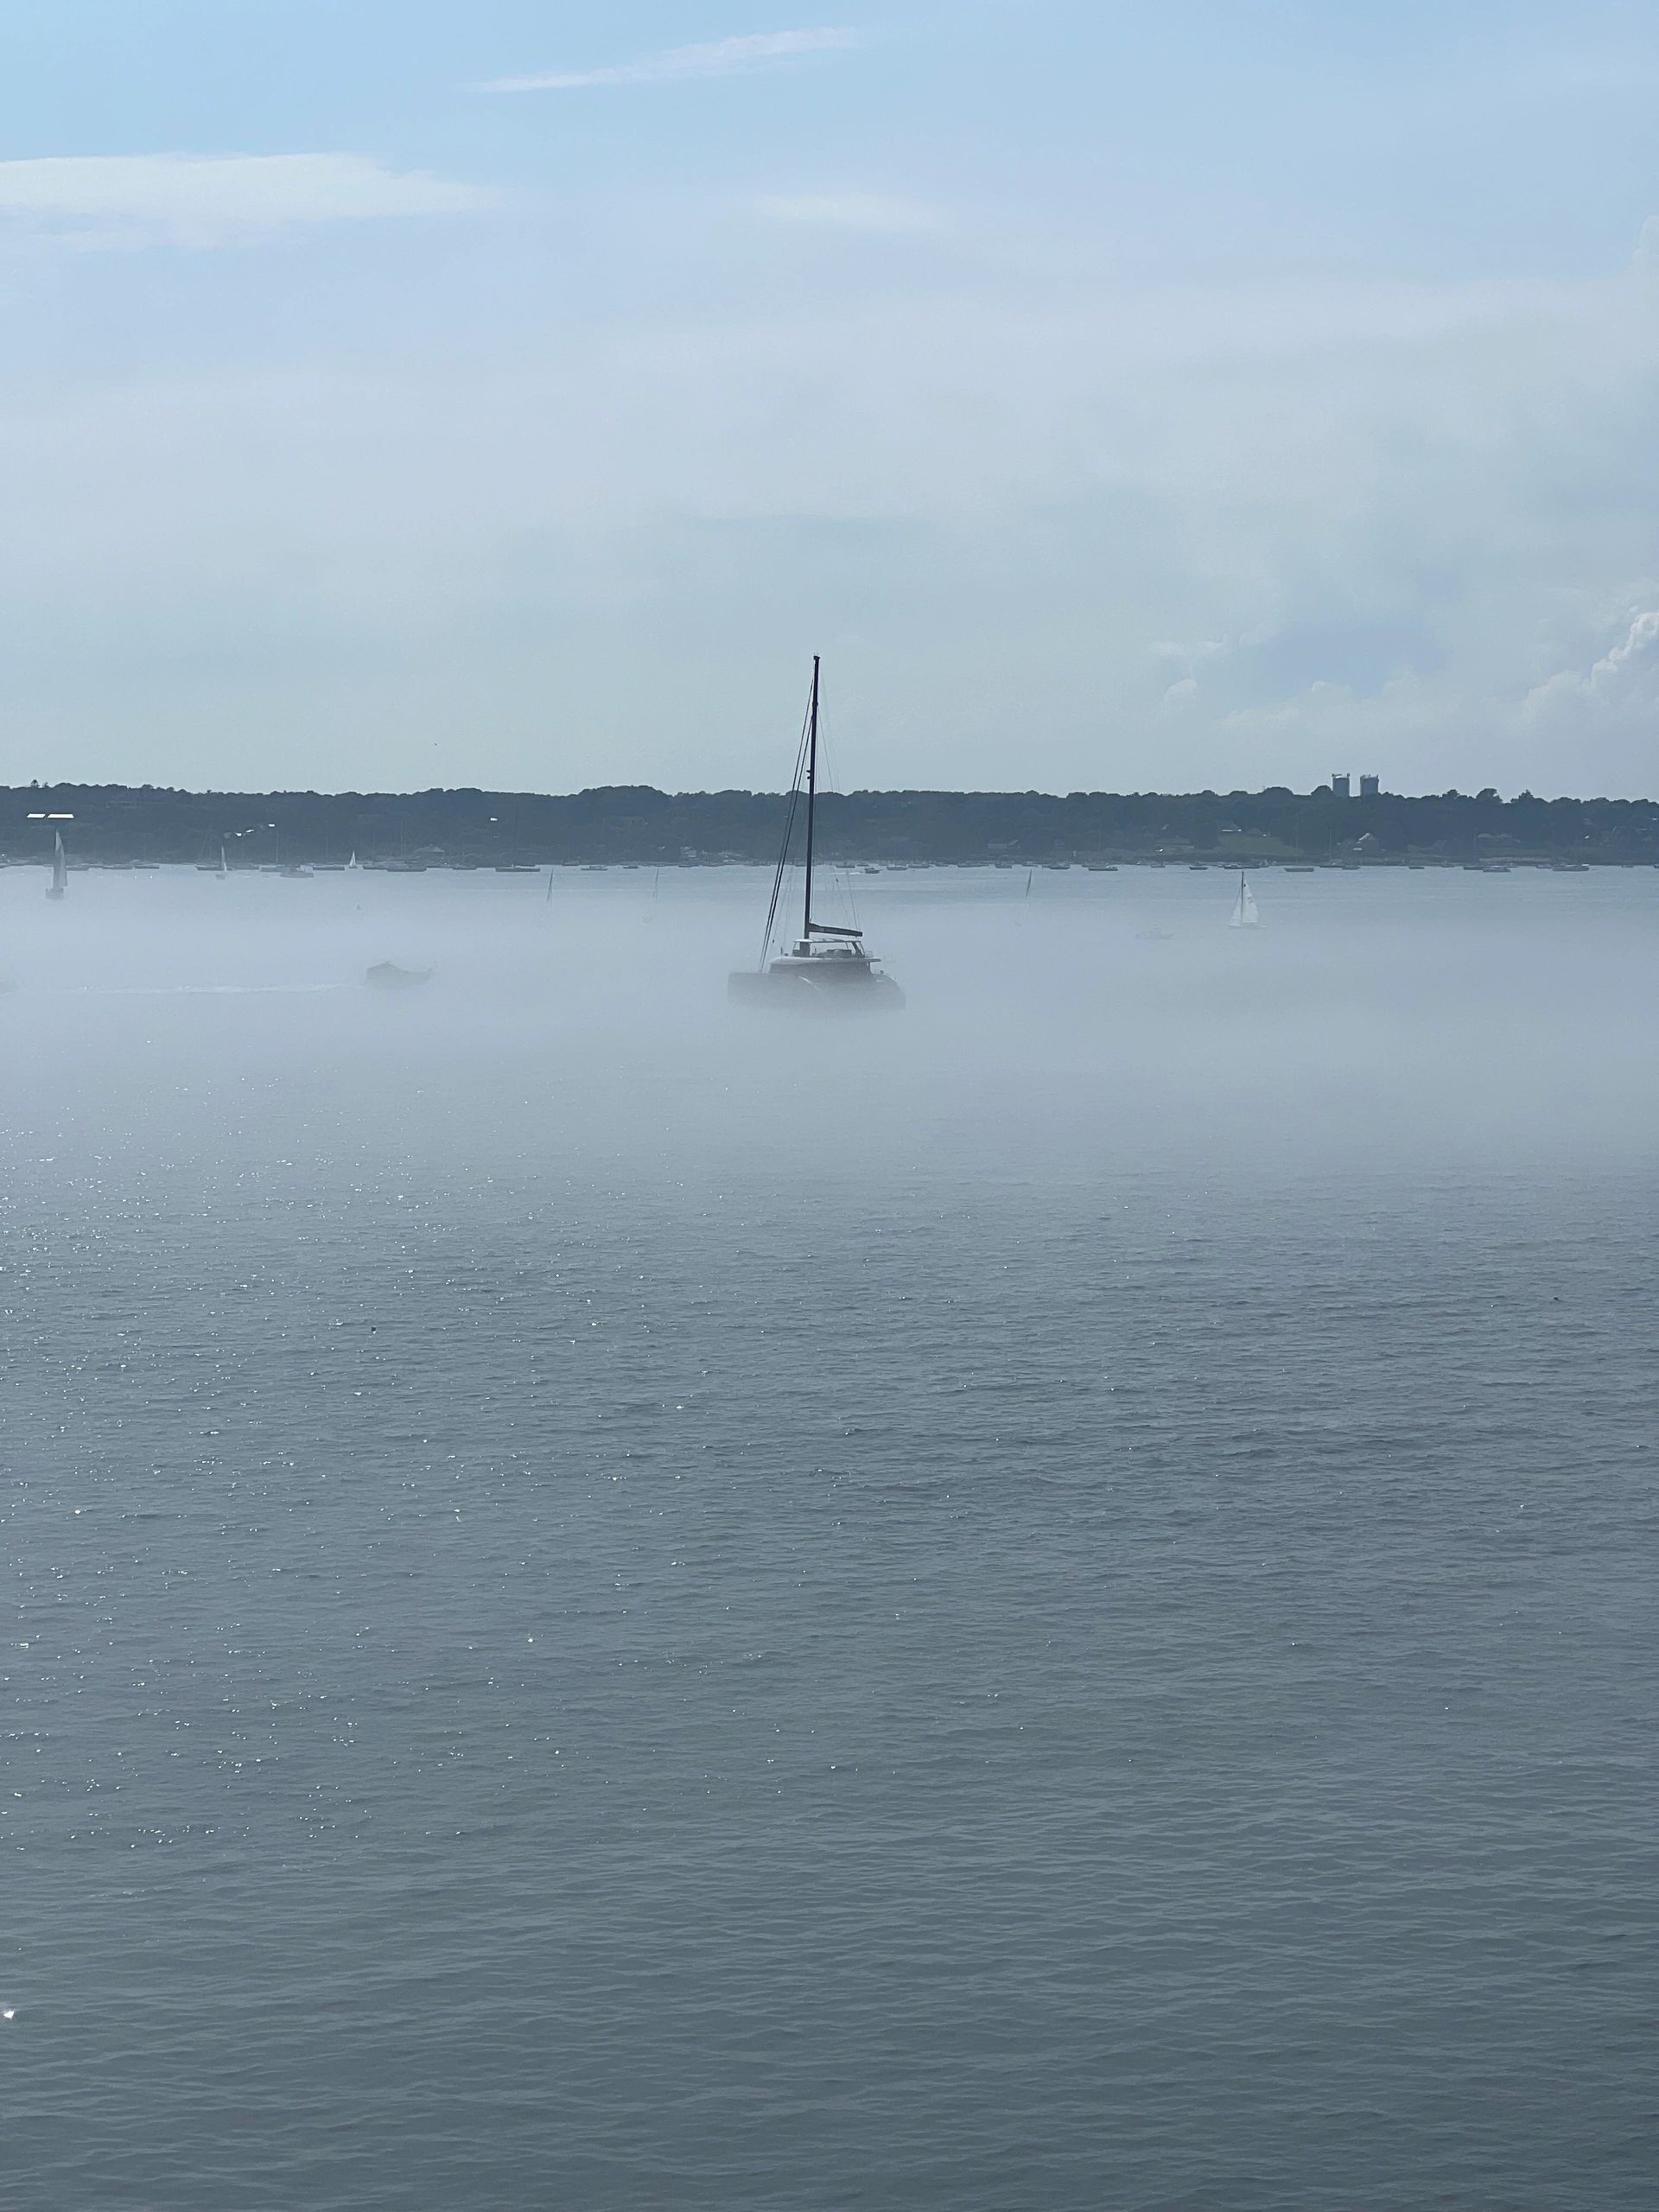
x=828, y=967
x=387, y=976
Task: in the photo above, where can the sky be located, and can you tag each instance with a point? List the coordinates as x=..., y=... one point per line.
x=1202, y=395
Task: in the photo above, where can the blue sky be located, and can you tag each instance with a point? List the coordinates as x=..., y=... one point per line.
x=515, y=394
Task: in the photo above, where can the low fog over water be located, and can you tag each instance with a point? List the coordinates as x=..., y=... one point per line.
x=1115, y=1015
x=1042, y=1599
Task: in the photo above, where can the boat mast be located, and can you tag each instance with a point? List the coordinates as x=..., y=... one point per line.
x=811, y=796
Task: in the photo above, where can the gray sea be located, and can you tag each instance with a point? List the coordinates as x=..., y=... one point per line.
x=1044, y=1603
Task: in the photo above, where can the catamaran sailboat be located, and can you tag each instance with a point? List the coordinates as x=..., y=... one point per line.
x=828, y=966
x=59, y=869
x=1244, y=916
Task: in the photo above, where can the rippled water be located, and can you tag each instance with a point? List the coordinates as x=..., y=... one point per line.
x=1045, y=1604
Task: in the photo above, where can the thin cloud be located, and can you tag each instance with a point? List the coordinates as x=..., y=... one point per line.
x=725, y=57
x=869, y=211
x=212, y=199
x=1622, y=680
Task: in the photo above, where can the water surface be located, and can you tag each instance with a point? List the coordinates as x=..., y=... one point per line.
x=1045, y=1604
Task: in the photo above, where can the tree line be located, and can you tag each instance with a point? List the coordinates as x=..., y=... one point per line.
x=638, y=824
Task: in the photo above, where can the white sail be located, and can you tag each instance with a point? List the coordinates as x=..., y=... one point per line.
x=59, y=869
x=224, y=863
x=1245, y=915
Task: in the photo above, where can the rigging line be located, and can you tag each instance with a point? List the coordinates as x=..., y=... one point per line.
x=795, y=790
x=843, y=869
x=789, y=832
x=777, y=873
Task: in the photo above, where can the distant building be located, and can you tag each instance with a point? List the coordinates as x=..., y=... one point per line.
x=1340, y=787
x=1368, y=787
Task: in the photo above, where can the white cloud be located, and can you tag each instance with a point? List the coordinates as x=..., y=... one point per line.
x=1082, y=535
x=212, y=199
x=725, y=57
x=869, y=211
x=1621, y=687
x=1636, y=645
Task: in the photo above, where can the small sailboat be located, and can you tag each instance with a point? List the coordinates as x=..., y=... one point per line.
x=1244, y=916
x=828, y=966
x=60, y=868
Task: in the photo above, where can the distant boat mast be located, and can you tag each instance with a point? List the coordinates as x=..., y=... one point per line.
x=810, y=929
x=812, y=791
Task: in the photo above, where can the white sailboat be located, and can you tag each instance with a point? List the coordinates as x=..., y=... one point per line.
x=827, y=965
x=59, y=869
x=1244, y=916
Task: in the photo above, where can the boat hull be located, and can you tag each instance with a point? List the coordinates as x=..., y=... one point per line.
x=794, y=992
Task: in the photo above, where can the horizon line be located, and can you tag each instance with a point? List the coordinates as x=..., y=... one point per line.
x=1487, y=796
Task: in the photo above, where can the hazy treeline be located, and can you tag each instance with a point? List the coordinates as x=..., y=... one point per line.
x=634, y=823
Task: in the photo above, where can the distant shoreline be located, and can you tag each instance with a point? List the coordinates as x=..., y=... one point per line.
x=634, y=826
